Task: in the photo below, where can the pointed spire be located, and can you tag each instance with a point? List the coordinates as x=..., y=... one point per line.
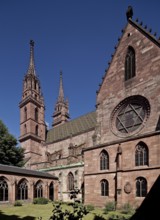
x=61, y=92
x=31, y=69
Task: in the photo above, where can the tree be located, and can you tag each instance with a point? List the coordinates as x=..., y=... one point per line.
x=10, y=154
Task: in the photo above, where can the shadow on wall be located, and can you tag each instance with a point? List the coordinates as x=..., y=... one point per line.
x=14, y=217
x=158, y=125
x=150, y=207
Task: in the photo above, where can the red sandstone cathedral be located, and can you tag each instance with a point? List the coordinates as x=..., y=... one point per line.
x=111, y=154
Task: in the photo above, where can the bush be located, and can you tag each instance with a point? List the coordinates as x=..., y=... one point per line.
x=110, y=206
x=79, y=211
x=18, y=203
x=127, y=209
x=90, y=207
x=41, y=200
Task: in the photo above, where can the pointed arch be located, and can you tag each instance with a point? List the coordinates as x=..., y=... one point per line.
x=36, y=130
x=104, y=160
x=22, y=189
x=130, y=67
x=36, y=114
x=3, y=189
x=141, y=154
x=51, y=191
x=104, y=187
x=141, y=187
x=38, y=189
x=70, y=181
x=25, y=129
x=25, y=113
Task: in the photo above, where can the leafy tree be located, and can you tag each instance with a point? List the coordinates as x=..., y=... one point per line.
x=10, y=154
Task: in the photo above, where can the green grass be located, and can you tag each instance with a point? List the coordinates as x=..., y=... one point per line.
x=33, y=211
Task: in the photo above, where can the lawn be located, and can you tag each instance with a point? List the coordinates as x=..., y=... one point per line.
x=33, y=211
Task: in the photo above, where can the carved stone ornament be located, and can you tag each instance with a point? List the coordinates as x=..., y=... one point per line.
x=128, y=188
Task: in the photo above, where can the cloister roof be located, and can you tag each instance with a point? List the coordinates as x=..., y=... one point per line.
x=24, y=172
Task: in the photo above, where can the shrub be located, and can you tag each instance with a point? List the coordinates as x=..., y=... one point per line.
x=18, y=203
x=41, y=200
x=90, y=207
x=127, y=208
x=79, y=211
x=110, y=206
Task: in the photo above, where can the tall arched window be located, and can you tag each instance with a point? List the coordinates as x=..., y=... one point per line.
x=141, y=154
x=25, y=114
x=104, y=160
x=36, y=114
x=70, y=181
x=141, y=187
x=104, y=188
x=22, y=189
x=3, y=190
x=36, y=130
x=130, y=63
x=38, y=190
x=25, y=129
x=51, y=191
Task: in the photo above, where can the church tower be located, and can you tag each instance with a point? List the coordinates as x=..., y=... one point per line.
x=32, y=123
x=61, y=113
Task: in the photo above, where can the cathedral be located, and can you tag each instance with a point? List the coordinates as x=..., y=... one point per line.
x=113, y=153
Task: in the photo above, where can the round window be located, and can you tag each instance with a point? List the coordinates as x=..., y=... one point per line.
x=130, y=115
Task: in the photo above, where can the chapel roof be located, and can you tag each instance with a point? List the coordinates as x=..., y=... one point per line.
x=71, y=128
x=26, y=172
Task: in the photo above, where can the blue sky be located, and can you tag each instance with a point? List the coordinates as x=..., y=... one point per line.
x=75, y=36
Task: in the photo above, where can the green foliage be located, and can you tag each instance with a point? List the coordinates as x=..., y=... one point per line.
x=90, y=207
x=10, y=154
x=118, y=216
x=18, y=203
x=127, y=209
x=98, y=217
x=78, y=212
x=41, y=200
x=110, y=206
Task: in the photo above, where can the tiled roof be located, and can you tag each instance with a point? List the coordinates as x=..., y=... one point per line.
x=71, y=128
x=21, y=171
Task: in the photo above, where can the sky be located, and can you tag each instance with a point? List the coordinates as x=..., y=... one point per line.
x=75, y=36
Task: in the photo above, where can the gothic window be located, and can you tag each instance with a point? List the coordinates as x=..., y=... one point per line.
x=70, y=181
x=25, y=129
x=130, y=64
x=104, y=160
x=22, y=188
x=25, y=114
x=36, y=114
x=141, y=187
x=141, y=154
x=36, y=130
x=3, y=190
x=38, y=190
x=51, y=191
x=104, y=188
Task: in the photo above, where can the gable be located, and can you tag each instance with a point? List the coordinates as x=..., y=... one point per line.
x=146, y=48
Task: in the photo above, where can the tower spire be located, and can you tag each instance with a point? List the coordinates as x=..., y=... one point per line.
x=61, y=111
x=61, y=92
x=31, y=69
